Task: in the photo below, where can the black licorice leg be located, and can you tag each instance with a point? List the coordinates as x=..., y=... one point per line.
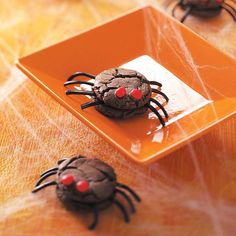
x=132, y=207
x=160, y=106
x=70, y=161
x=230, y=7
x=155, y=83
x=45, y=177
x=76, y=74
x=90, y=104
x=71, y=167
x=226, y=9
x=78, y=82
x=44, y=186
x=187, y=12
x=62, y=160
x=90, y=93
x=230, y=10
x=161, y=93
x=49, y=170
x=95, y=219
x=157, y=114
x=123, y=210
x=131, y=191
x=175, y=7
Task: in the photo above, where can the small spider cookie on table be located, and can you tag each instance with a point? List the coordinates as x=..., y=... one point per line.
x=120, y=93
x=88, y=184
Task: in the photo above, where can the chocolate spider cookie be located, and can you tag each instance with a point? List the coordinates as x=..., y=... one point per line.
x=120, y=93
x=204, y=8
x=88, y=184
x=124, y=93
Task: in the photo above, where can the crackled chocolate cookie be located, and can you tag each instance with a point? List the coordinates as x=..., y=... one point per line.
x=124, y=93
x=120, y=93
x=88, y=184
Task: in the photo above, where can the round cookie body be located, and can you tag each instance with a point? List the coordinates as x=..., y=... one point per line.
x=107, y=84
x=101, y=179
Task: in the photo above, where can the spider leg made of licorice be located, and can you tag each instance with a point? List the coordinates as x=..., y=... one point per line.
x=156, y=83
x=90, y=93
x=187, y=12
x=229, y=9
x=131, y=191
x=49, y=170
x=45, y=176
x=44, y=186
x=122, y=209
x=69, y=162
x=175, y=7
x=90, y=104
x=95, y=218
x=78, y=82
x=156, y=113
x=54, y=168
x=161, y=93
x=64, y=159
x=127, y=198
x=61, y=160
x=160, y=106
x=76, y=74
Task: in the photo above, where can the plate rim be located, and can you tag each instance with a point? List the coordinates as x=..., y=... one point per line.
x=158, y=154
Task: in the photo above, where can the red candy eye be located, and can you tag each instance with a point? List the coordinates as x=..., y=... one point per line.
x=67, y=179
x=120, y=92
x=82, y=186
x=136, y=94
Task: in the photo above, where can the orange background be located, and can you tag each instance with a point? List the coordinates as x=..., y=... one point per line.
x=190, y=192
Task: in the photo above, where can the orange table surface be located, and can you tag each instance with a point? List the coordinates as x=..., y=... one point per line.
x=189, y=192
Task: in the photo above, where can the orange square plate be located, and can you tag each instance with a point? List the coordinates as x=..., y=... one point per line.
x=144, y=31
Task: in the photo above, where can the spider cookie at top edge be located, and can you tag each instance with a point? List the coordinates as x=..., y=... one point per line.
x=205, y=8
x=120, y=93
